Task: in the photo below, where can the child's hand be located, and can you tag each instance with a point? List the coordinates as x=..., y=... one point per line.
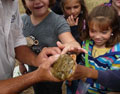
x=71, y=47
x=71, y=21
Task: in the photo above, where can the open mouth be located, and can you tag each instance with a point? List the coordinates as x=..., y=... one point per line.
x=38, y=7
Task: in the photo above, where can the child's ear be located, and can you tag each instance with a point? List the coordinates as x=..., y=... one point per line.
x=111, y=34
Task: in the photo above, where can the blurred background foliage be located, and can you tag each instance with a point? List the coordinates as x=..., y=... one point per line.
x=89, y=3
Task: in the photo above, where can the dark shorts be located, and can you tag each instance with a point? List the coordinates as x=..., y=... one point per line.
x=46, y=87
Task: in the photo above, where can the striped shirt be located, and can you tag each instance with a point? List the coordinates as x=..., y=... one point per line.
x=108, y=61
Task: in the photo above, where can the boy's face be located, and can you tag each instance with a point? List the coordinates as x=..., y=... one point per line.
x=116, y=3
x=38, y=7
x=72, y=7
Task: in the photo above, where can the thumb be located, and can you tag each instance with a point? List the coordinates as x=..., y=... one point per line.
x=52, y=60
x=60, y=45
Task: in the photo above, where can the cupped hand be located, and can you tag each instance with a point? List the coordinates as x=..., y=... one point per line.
x=43, y=73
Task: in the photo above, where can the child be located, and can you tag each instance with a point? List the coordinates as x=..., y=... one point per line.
x=103, y=42
x=46, y=27
x=75, y=12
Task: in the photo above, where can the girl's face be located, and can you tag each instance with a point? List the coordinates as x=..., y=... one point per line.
x=72, y=7
x=38, y=7
x=100, y=37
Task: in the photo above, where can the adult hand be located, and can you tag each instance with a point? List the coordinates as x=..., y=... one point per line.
x=82, y=72
x=46, y=52
x=17, y=84
x=43, y=73
x=71, y=21
x=72, y=46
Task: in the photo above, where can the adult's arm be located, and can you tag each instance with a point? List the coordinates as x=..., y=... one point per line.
x=16, y=85
x=107, y=78
x=110, y=79
x=26, y=56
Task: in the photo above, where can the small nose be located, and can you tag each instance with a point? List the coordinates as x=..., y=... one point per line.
x=72, y=10
x=97, y=35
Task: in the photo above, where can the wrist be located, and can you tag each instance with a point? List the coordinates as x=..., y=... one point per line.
x=36, y=76
x=35, y=61
x=92, y=73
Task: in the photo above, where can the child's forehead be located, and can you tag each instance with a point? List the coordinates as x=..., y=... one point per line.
x=100, y=23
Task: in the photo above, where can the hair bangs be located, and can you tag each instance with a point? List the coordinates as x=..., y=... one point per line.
x=102, y=23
